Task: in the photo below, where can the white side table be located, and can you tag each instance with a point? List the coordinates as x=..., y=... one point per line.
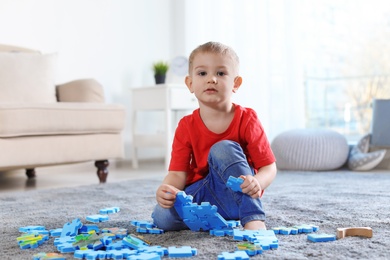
x=166, y=97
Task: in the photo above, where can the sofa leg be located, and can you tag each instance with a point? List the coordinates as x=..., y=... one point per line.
x=102, y=171
x=30, y=173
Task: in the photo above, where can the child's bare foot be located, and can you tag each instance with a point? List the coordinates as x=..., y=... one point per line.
x=255, y=225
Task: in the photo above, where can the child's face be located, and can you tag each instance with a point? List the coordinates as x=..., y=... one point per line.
x=213, y=78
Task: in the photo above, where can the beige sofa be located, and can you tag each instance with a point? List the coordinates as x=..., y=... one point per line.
x=44, y=124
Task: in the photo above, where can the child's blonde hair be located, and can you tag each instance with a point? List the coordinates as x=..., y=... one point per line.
x=213, y=47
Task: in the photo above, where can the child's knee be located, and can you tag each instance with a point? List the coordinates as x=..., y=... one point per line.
x=167, y=219
x=224, y=148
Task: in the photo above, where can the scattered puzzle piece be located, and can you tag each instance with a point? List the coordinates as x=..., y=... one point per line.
x=321, y=237
x=28, y=229
x=250, y=249
x=184, y=251
x=235, y=183
x=97, y=218
x=71, y=229
x=237, y=255
x=109, y=210
x=354, y=231
x=52, y=256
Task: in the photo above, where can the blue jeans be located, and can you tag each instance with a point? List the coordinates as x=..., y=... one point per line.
x=226, y=158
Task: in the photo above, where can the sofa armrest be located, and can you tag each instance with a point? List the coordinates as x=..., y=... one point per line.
x=83, y=90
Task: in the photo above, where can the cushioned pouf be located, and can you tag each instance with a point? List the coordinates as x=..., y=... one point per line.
x=310, y=150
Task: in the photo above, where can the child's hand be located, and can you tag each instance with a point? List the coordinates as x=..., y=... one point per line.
x=251, y=186
x=166, y=195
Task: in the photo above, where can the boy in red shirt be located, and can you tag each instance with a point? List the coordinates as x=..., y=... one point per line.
x=218, y=140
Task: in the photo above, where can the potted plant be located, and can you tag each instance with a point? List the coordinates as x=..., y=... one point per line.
x=160, y=69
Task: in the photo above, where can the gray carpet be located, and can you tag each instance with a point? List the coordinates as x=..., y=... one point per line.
x=327, y=199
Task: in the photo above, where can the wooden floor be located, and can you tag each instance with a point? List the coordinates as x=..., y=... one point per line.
x=77, y=175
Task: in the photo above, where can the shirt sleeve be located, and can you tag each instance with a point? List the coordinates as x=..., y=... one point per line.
x=258, y=147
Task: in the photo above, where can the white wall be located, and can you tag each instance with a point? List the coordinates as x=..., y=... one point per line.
x=116, y=42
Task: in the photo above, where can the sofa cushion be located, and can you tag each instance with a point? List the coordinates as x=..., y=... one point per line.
x=60, y=118
x=27, y=77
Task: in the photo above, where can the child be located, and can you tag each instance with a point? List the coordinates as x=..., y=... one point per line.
x=218, y=140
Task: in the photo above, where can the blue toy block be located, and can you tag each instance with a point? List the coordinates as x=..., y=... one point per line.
x=233, y=223
x=184, y=251
x=97, y=218
x=182, y=199
x=51, y=256
x=321, y=237
x=31, y=228
x=235, y=183
x=237, y=255
x=306, y=228
x=145, y=256
x=71, y=229
x=56, y=232
x=109, y=210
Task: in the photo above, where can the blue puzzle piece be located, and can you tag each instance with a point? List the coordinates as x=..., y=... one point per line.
x=321, y=237
x=237, y=255
x=184, y=251
x=86, y=228
x=109, y=210
x=235, y=183
x=90, y=254
x=31, y=228
x=198, y=217
x=56, y=232
x=250, y=249
x=118, y=232
x=145, y=256
x=134, y=242
x=161, y=251
x=97, y=218
x=120, y=254
x=71, y=229
x=142, y=224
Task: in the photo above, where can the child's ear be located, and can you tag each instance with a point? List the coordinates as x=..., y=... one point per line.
x=237, y=83
x=188, y=81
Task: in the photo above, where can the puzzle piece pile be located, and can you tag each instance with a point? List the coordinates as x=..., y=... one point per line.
x=87, y=241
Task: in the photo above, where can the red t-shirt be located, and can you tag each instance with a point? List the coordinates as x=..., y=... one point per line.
x=192, y=142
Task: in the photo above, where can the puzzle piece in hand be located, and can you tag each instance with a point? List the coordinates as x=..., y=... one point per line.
x=71, y=229
x=184, y=251
x=235, y=183
x=182, y=199
x=109, y=210
x=321, y=237
x=52, y=256
x=97, y=218
x=237, y=255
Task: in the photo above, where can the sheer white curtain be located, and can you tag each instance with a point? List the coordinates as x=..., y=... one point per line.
x=264, y=35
